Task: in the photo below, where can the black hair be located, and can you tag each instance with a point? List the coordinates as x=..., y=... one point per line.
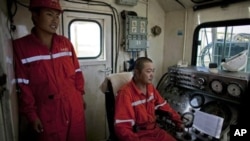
x=139, y=63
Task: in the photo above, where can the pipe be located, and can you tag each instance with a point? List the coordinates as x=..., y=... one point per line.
x=185, y=36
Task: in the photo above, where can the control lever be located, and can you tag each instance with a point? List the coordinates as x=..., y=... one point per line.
x=187, y=135
x=167, y=123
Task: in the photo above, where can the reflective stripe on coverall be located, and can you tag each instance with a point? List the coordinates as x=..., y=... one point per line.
x=51, y=85
x=134, y=108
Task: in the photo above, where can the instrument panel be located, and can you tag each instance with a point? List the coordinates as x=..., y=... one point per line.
x=224, y=85
x=193, y=89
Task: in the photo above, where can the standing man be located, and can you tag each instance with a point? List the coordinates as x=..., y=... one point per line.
x=49, y=77
x=136, y=101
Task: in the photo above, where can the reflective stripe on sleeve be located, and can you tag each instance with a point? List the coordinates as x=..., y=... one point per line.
x=124, y=121
x=136, y=103
x=22, y=80
x=157, y=106
x=78, y=70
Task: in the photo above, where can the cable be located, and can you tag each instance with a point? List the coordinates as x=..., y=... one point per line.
x=11, y=14
x=180, y=3
x=18, y=2
x=163, y=78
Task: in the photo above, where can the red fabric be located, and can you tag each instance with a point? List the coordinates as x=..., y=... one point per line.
x=54, y=4
x=132, y=108
x=51, y=85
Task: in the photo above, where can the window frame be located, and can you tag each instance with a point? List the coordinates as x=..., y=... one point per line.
x=225, y=23
x=101, y=53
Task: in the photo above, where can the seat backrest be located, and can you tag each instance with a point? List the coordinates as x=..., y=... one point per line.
x=110, y=86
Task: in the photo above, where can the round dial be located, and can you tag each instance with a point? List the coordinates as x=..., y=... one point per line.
x=234, y=90
x=201, y=81
x=187, y=119
x=216, y=86
x=196, y=100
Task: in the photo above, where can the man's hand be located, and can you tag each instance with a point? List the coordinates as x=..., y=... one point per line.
x=179, y=125
x=180, y=128
x=37, y=125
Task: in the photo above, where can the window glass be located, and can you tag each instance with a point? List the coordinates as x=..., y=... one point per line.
x=86, y=38
x=223, y=43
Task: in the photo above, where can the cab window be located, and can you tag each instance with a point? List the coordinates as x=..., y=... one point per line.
x=217, y=42
x=85, y=36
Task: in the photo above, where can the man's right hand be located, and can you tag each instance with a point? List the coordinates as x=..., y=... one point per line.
x=37, y=125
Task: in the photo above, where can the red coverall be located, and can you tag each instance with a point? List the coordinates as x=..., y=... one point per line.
x=51, y=85
x=134, y=108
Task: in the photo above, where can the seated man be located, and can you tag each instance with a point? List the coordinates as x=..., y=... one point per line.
x=135, y=106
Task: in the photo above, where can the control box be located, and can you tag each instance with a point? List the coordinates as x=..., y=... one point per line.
x=135, y=33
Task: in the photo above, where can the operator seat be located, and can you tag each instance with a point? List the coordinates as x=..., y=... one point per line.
x=109, y=87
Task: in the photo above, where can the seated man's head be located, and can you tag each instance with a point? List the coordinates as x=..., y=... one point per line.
x=143, y=70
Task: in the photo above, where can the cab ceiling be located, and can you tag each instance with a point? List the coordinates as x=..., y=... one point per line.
x=172, y=5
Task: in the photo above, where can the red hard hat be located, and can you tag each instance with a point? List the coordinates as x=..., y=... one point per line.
x=54, y=4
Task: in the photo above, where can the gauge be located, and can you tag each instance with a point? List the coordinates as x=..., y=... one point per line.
x=216, y=86
x=187, y=119
x=201, y=81
x=234, y=90
x=196, y=100
x=219, y=109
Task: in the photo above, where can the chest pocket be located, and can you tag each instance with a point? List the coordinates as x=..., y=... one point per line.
x=37, y=73
x=144, y=110
x=68, y=68
x=67, y=72
x=151, y=104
